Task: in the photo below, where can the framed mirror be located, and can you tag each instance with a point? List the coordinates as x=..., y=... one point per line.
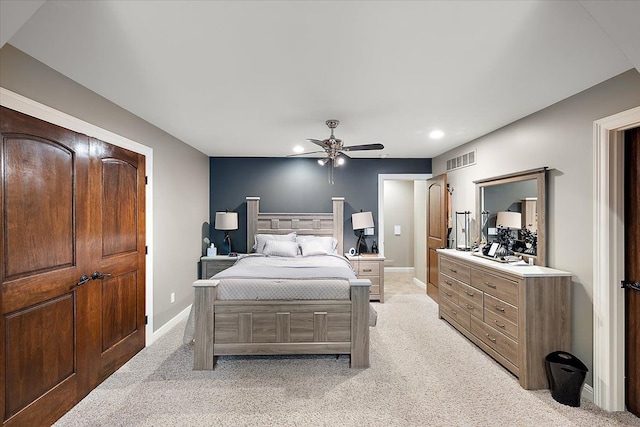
x=511, y=211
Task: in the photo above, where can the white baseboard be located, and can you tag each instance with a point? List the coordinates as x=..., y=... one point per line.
x=419, y=283
x=587, y=392
x=170, y=324
x=400, y=269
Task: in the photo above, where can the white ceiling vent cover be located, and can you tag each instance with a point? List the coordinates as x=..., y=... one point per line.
x=462, y=161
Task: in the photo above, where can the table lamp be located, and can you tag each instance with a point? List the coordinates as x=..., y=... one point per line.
x=360, y=221
x=226, y=221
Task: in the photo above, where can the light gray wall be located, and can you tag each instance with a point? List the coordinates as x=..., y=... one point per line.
x=560, y=137
x=180, y=178
x=398, y=210
x=420, y=230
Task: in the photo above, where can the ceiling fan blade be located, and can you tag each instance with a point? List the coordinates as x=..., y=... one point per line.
x=363, y=147
x=318, y=142
x=304, y=154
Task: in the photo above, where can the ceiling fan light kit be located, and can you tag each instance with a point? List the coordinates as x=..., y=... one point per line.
x=335, y=151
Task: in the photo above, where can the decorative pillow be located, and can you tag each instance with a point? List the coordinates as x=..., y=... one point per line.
x=261, y=239
x=312, y=247
x=274, y=247
x=330, y=244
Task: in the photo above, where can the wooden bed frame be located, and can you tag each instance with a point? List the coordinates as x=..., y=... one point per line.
x=270, y=327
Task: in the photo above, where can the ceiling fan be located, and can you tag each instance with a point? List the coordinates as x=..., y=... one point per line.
x=335, y=151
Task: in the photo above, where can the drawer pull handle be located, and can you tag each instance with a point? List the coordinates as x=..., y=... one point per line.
x=448, y=283
x=449, y=294
x=453, y=270
x=491, y=339
x=469, y=293
x=469, y=306
x=367, y=270
x=455, y=313
x=498, y=308
x=491, y=285
x=499, y=325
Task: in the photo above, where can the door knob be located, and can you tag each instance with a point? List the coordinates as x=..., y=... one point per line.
x=98, y=275
x=83, y=279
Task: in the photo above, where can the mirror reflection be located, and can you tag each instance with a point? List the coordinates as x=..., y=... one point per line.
x=497, y=202
x=510, y=215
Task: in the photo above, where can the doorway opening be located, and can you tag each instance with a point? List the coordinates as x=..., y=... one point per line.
x=418, y=212
x=608, y=259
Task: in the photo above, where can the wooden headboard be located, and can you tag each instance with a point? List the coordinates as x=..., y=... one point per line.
x=317, y=224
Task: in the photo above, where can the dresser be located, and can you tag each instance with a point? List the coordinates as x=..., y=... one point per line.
x=516, y=314
x=211, y=265
x=372, y=268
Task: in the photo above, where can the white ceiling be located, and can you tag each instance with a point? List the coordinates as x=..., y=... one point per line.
x=255, y=78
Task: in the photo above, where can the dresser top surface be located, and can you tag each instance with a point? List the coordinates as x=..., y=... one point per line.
x=519, y=270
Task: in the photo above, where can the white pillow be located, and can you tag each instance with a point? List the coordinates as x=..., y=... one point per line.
x=261, y=239
x=312, y=247
x=274, y=247
x=330, y=244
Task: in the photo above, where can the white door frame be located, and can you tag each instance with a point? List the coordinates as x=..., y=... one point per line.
x=608, y=258
x=32, y=108
x=382, y=177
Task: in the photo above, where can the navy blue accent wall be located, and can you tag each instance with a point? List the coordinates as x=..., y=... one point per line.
x=299, y=185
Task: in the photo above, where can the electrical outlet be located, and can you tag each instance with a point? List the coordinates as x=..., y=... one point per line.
x=173, y=297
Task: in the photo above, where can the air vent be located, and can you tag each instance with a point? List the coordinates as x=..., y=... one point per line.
x=462, y=161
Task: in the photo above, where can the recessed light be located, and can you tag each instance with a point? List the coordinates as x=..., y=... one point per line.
x=436, y=134
x=298, y=149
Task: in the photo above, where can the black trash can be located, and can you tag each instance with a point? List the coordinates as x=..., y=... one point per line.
x=566, y=374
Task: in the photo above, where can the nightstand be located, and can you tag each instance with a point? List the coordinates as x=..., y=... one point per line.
x=370, y=267
x=215, y=264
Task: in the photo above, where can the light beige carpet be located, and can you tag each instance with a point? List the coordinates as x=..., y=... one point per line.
x=423, y=373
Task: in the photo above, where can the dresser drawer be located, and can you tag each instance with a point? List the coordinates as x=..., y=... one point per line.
x=501, y=308
x=367, y=268
x=498, y=286
x=498, y=341
x=449, y=295
x=454, y=269
x=501, y=324
x=448, y=283
x=455, y=313
x=470, y=305
x=470, y=293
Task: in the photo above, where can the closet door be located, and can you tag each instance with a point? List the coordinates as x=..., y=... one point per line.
x=117, y=200
x=45, y=250
x=72, y=266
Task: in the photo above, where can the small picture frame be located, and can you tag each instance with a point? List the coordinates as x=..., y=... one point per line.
x=494, y=247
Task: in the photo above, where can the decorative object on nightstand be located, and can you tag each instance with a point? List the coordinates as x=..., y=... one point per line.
x=507, y=222
x=360, y=221
x=227, y=221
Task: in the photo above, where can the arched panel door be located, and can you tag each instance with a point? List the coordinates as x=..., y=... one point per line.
x=436, y=229
x=72, y=266
x=118, y=291
x=45, y=251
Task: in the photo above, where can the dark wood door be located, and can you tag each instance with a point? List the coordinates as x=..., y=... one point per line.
x=70, y=206
x=45, y=250
x=632, y=269
x=436, y=229
x=117, y=189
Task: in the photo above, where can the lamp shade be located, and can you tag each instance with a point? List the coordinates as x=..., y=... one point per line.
x=362, y=220
x=226, y=221
x=509, y=220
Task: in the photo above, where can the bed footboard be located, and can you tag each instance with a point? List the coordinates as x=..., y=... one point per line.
x=280, y=327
